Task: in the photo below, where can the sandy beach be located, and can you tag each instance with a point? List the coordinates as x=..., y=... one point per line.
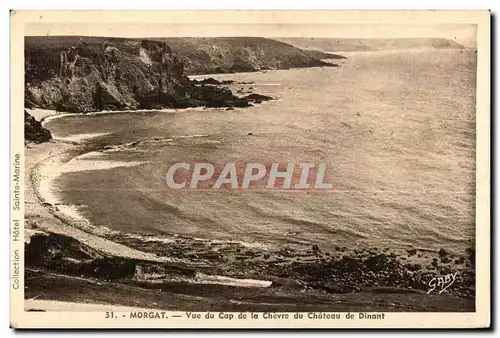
x=43, y=164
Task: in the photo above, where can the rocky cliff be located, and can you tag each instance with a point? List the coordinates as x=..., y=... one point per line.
x=81, y=74
x=33, y=130
x=242, y=54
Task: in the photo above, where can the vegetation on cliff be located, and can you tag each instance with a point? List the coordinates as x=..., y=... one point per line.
x=119, y=74
x=82, y=74
x=241, y=54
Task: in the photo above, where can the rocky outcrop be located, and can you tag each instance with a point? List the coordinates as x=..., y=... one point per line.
x=242, y=54
x=257, y=98
x=85, y=76
x=33, y=130
x=82, y=74
x=119, y=74
x=66, y=255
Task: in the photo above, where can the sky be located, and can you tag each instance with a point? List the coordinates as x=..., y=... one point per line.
x=464, y=34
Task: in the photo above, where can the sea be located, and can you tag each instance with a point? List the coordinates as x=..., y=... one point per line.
x=396, y=130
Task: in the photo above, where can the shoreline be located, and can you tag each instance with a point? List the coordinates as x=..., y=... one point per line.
x=46, y=115
x=202, y=261
x=50, y=170
x=72, y=224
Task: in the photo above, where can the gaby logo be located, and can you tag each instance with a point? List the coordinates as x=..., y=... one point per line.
x=233, y=175
x=442, y=283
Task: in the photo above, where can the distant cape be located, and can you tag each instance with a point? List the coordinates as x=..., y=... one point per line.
x=375, y=44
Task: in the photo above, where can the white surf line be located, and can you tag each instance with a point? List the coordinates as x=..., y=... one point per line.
x=77, y=226
x=41, y=114
x=78, y=138
x=45, y=115
x=215, y=242
x=236, y=83
x=55, y=167
x=229, y=281
x=190, y=136
x=51, y=169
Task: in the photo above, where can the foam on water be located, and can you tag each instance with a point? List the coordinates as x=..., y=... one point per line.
x=53, y=167
x=395, y=129
x=223, y=280
x=78, y=137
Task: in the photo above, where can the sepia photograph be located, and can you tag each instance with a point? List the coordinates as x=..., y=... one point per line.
x=287, y=171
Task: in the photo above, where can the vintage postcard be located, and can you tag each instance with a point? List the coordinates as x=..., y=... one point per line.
x=250, y=169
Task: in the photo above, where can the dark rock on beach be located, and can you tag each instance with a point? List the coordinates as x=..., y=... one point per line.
x=411, y=252
x=257, y=98
x=63, y=254
x=442, y=253
x=445, y=260
x=367, y=272
x=212, y=81
x=33, y=130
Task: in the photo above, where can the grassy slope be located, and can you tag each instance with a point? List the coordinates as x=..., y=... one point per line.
x=211, y=55
x=347, y=45
x=241, y=54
